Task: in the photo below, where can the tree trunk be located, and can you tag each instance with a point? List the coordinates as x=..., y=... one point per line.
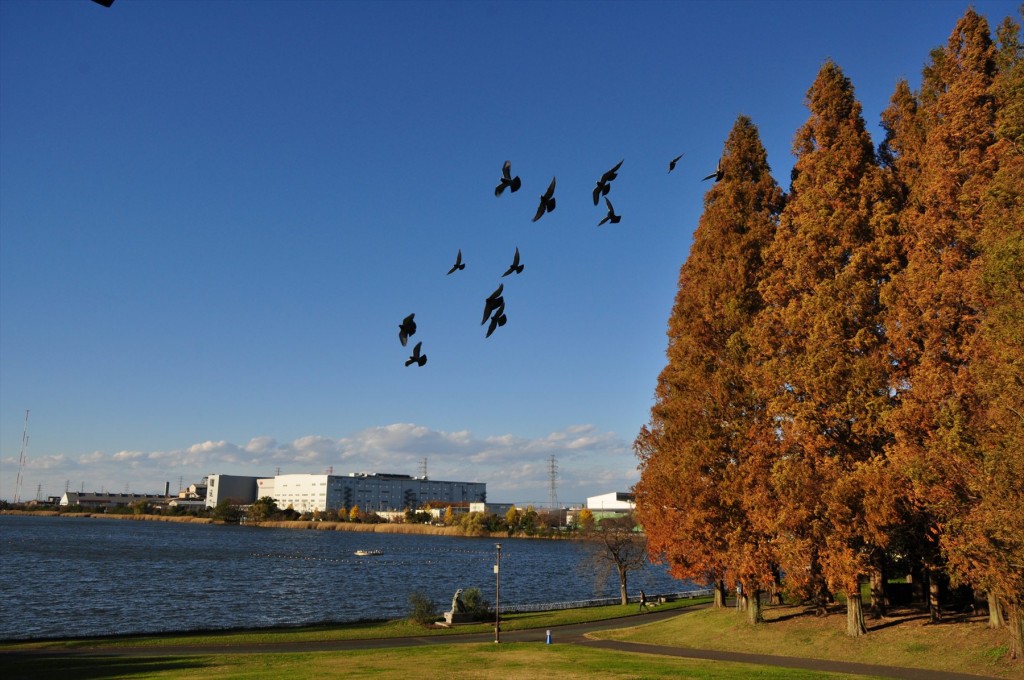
x=879, y=601
x=934, y=610
x=1016, y=622
x=720, y=595
x=623, y=592
x=855, y=616
x=754, y=612
x=776, y=593
x=821, y=599
x=995, y=611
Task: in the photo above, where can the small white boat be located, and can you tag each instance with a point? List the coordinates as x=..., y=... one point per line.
x=369, y=553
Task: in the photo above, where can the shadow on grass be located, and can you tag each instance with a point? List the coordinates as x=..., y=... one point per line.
x=807, y=612
x=32, y=666
x=872, y=625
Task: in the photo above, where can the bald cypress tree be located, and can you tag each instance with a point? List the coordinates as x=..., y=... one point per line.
x=985, y=542
x=822, y=368
x=935, y=303
x=695, y=487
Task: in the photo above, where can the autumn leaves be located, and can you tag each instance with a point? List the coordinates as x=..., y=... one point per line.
x=838, y=391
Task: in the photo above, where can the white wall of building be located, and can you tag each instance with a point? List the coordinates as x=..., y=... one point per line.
x=370, y=492
x=616, y=500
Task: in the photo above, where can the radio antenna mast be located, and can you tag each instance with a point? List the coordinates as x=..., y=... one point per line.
x=553, y=488
x=21, y=461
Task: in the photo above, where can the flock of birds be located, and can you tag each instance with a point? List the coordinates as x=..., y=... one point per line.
x=494, y=304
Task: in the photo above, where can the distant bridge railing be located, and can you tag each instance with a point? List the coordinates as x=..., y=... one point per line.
x=600, y=602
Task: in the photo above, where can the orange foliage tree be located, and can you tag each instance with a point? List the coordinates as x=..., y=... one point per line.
x=844, y=378
x=693, y=495
x=936, y=303
x=822, y=367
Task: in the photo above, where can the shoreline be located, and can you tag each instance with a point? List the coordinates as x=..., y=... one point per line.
x=304, y=525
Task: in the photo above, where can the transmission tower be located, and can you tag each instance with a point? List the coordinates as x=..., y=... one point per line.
x=423, y=468
x=21, y=461
x=553, y=487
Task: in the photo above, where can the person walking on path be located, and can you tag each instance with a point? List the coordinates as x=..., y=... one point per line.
x=643, y=603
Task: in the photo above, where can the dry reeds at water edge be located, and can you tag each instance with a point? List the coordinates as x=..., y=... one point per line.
x=181, y=519
x=383, y=528
x=380, y=528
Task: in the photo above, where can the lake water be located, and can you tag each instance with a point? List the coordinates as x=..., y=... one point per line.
x=64, y=577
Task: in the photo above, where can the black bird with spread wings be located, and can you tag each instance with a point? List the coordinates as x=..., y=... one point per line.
x=515, y=267
x=718, y=174
x=547, y=201
x=494, y=301
x=406, y=328
x=497, y=320
x=507, y=180
x=611, y=216
x=604, y=184
x=458, y=266
x=672, y=163
x=416, y=357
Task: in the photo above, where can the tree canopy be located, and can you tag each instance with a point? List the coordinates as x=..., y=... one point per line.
x=843, y=388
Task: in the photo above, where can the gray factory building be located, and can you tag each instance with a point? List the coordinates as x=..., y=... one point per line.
x=236, y=488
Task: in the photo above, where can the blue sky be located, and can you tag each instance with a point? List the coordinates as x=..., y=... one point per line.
x=214, y=215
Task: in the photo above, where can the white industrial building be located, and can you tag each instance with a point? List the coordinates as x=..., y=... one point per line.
x=616, y=501
x=371, y=492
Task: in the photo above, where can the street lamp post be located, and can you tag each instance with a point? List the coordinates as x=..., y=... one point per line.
x=497, y=595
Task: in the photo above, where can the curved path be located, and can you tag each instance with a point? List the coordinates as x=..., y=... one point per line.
x=576, y=634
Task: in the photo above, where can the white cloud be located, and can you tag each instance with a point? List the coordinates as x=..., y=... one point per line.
x=515, y=468
x=128, y=455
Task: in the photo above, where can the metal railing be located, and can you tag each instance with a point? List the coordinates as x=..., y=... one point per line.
x=600, y=602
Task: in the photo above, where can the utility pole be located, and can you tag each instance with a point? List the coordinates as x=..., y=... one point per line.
x=21, y=461
x=553, y=485
x=497, y=595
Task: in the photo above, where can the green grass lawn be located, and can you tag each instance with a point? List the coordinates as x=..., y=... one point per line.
x=476, y=661
x=349, y=631
x=904, y=639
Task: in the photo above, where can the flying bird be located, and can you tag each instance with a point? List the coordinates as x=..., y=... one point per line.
x=547, y=201
x=497, y=320
x=416, y=357
x=718, y=174
x=672, y=163
x=507, y=180
x=494, y=301
x=604, y=184
x=515, y=267
x=457, y=266
x=611, y=216
x=406, y=328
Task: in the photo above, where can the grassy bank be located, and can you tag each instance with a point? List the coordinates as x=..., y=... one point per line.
x=348, y=631
x=127, y=657
x=485, y=661
x=904, y=639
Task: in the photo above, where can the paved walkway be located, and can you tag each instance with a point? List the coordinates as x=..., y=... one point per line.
x=571, y=634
